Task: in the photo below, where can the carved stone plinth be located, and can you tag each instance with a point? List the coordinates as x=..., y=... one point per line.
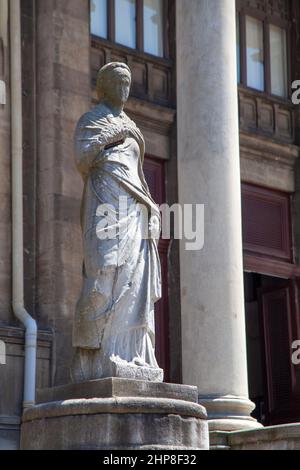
x=116, y=414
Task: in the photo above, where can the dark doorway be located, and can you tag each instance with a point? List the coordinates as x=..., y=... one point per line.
x=271, y=309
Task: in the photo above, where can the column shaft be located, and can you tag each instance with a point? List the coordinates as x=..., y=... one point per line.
x=213, y=323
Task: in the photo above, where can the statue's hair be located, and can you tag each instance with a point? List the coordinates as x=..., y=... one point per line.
x=107, y=71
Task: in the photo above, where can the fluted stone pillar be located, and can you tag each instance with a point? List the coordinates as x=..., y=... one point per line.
x=212, y=296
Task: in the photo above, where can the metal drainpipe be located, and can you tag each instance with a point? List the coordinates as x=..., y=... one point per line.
x=17, y=206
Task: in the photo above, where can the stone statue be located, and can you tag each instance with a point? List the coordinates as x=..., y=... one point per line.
x=114, y=320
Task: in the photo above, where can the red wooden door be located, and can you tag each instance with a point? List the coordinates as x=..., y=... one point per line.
x=154, y=175
x=279, y=307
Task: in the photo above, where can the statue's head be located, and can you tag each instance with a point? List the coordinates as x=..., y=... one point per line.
x=113, y=83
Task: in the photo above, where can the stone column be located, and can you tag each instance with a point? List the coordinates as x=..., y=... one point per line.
x=212, y=296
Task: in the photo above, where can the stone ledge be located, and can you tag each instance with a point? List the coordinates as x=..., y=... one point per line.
x=117, y=387
x=6, y=420
x=15, y=334
x=133, y=405
x=281, y=437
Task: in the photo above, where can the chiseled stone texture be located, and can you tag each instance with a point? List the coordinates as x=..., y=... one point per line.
x=151, y=416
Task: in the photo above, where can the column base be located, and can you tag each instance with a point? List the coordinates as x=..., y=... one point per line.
x=229, y=413
x=111, y=414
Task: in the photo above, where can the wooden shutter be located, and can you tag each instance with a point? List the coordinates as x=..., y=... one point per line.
x=154, y=175
x=280, y=328
x=266, y=223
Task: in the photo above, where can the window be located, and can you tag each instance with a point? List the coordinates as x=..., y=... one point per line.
x=255, y=53
x=262, y=52
x=278, y=52
x=125, y=22
x=99, y=18
x=153, y=27
x=138, y=24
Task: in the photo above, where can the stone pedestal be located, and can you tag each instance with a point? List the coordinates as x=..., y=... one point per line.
x=115, y=414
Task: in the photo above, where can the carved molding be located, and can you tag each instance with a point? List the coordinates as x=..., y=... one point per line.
x=268, y=163
x=15, y=335
x=264, y=148
x=267, y=116
x=6, y=420
x=275, y=8
x=154, y=117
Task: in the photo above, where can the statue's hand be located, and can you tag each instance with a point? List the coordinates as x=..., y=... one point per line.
x=154, y=227
x=111, y=132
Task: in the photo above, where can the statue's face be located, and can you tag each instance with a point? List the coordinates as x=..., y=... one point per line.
x=118, y=89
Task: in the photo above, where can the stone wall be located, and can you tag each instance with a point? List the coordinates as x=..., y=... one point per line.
x=12, y=373
x=5, y=181
x=63, y=95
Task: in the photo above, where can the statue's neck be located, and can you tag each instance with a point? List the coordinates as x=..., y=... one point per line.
x=115, y=108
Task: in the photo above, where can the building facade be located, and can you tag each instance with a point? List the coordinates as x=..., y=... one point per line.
x=212, y=93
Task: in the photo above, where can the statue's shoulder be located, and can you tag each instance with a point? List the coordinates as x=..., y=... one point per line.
x=128, y=120
x=92, y=117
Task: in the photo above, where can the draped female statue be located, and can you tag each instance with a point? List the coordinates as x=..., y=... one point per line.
x=114, y=319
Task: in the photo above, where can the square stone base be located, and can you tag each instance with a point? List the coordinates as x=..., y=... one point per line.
x=117, y=387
